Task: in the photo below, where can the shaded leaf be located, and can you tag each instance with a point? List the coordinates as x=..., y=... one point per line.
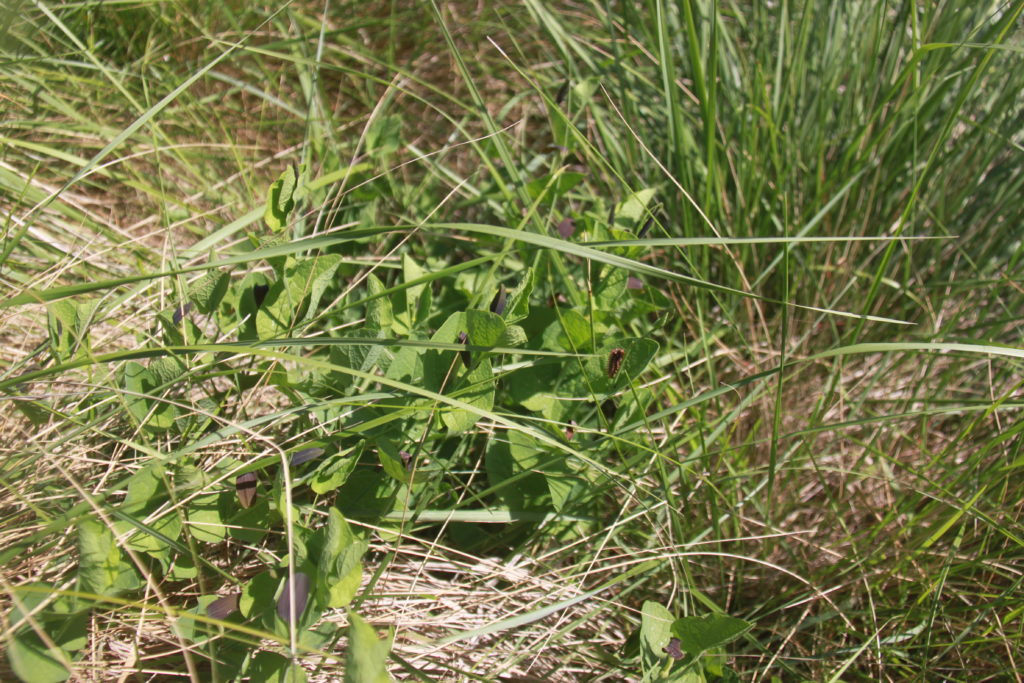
x=699, y=634
x=553, y=185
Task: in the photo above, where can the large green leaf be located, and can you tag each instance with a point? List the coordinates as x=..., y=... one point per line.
x=204, y=519
x=638, y=354
x=101, y=569
x=655, y=632
x=302, y=280
x=33, y=661
x=699, y=634
x=367, y=655
x=341, y=560
x=444, y=374
x=530, y=457
x=141, y=401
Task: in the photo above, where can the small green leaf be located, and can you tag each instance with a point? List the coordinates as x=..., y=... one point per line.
x=638, y=354
x=553, y=185
x=166, y=369
x=280, y=200
x=153, y=414
x=62, y=324
x=572, y=331
x=391, y=461
x=362, y=357
x=142, y=489
x=518, y=305
x=68, y=324
x=258, y=595
x=476, y=387
x=190, y=629
x=378, y=311
x=530, y=457
x=611, y=289
x=320, y=275
x=207, y=292
x=407, y=300
x=268, y=667
x=332, y=474
x=183, y=569
x=485, y=328
x=631, y=212
x=513, y=336
x=384, y=135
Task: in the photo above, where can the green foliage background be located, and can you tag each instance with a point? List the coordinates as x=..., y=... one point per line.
x=307, y=314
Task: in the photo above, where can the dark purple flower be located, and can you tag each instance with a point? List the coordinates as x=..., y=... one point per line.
x=222, y=607
x=566, y=228
x=305, y=455
x=297, y=585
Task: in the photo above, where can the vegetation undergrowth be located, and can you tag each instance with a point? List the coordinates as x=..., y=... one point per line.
x=664, y=341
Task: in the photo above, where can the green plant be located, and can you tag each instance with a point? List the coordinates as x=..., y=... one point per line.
x=552, y=327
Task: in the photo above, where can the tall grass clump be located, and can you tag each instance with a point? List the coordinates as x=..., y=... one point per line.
x=517, y=341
